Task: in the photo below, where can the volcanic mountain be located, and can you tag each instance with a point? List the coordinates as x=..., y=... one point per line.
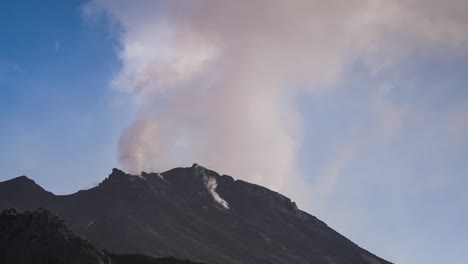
x=191, y=213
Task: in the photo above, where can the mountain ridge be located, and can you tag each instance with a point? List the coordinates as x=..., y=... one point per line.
x=181, y=213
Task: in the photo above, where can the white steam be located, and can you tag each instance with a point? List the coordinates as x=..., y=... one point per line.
x=211, y=184
x=215, y=81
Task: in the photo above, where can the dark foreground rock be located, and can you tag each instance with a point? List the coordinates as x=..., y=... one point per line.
x=40, y=237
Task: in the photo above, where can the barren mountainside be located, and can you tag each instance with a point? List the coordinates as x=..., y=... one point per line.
x=191, y=213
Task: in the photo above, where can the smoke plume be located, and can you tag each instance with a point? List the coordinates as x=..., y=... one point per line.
x=215, y=82
x=211, y=186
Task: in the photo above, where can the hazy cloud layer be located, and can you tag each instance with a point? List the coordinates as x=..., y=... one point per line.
x=215, y=82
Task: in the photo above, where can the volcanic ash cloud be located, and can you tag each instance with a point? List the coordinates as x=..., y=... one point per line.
x=214, y=82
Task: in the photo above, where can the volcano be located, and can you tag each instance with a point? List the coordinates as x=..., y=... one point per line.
x=191, y=213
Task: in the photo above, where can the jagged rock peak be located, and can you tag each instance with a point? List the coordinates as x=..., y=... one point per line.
x=23, y=180
x=21, y=184
x=198, y=170
x=122, y=179
x=202, y=171
x=118, y=173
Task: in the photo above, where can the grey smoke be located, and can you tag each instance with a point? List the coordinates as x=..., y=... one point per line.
x=215, y=82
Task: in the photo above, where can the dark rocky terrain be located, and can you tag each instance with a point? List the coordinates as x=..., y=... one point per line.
x=192, y=213
x=40, y=237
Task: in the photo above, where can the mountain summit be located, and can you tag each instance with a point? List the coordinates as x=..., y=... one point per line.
x=194, y=213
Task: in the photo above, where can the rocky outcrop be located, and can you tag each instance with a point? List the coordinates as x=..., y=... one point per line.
x=40, y=237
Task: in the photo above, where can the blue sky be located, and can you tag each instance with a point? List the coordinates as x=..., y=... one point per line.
x=58, y=122
x=413, y=186
x=381, y=151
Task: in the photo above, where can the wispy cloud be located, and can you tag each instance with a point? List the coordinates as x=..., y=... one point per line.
x=56, y=45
